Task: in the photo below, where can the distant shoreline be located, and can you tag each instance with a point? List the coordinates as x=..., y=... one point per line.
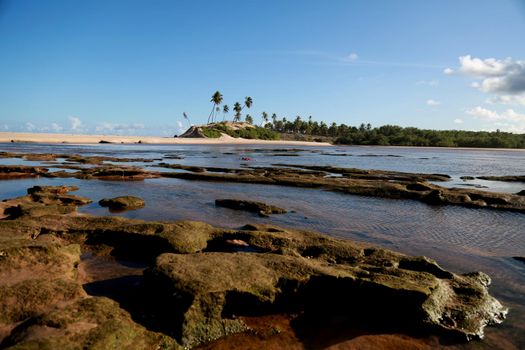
x=21, y=137
x=444, y=148
x=27, y=137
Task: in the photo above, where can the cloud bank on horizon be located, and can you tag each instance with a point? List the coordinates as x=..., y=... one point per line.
x=503, y=80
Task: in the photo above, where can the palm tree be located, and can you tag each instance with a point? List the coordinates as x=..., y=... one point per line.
x=264, y=118
x=225, y=110
x=186, y=117
x=217, y=100
x=248, y=102
x=237, y=108
x=297, y=124
x=248, y=119
x=217, y=111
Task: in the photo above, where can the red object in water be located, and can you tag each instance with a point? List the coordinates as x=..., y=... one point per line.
x=246, y=158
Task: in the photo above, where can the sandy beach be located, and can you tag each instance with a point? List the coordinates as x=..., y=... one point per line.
x=92, y=139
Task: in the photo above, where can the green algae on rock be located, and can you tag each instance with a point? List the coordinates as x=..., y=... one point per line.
x=202, y=278
x=122, y=203
x=377, y=183
x=305, y=272
x=260, y=208
x=96, y=323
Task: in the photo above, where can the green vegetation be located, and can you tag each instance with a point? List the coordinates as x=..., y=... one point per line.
x=216, y=99
x=225, y=110
x=387, y=135
x=211, y=133
x=255, y=132
x=392, y=135
x=398, y=136
x=237, y=108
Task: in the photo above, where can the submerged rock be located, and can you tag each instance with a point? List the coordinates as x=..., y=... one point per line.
x=509, y=178
x=203, y=279
x=262, y=209
x=117, y=173
x=19, y=171
x=122, y=203
x=519, y=258
x=75, y=158
x=321, y=277
x=378, y=183
x=363, y=182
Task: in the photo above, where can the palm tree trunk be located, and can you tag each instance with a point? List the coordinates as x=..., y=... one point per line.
x=211, y=113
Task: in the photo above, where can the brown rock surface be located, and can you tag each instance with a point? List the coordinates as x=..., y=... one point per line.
x=508, y=178
x=260, y=208
x=19, y=171
x=202, y=279
x=379, y=184
x=122, y=203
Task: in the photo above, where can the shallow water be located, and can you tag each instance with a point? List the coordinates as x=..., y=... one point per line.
x=460, y=239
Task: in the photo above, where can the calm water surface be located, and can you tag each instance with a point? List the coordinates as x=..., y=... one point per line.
x=460, y=239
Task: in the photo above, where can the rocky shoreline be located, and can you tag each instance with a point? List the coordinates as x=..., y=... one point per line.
x=376, y=183
x=195, y=283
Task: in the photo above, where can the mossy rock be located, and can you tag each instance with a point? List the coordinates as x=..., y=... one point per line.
x=35, y=277
x=32, y=297
x=203, y=277
x=94, y=323
x=262, y=209
x=205, y=291
x=122, y=203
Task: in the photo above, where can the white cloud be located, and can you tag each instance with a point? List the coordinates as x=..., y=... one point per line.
x=487, y=67
x=508, y=120
x=516, y=129
x=458, y=121
x=432, y=102
x=488, y=115
x=119, y=128
x=496, y=76
x=508, y=100
x=448, y=71
x=76, y=123
x=55, y=127
x=353, y=57
x=30, y=126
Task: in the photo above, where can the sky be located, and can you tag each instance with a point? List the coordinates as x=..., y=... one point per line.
x=133, y=67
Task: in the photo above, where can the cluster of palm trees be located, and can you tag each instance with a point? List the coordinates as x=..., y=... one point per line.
x=217, y=99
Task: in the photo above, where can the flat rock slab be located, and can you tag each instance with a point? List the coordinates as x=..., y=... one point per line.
x=122, y=203
x=260, y=208
x=508, y=178
x=202, y=278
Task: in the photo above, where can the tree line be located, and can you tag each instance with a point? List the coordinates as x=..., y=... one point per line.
x=364, y=134
x=393, y=135
x=218, y=108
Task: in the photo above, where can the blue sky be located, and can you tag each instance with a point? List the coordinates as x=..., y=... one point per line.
x=134, y=66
